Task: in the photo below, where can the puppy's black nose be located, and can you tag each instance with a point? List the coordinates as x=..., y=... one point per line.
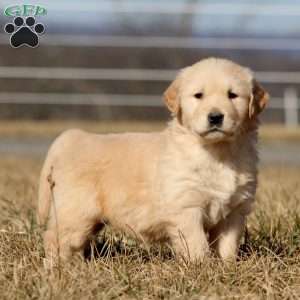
x=215, y=118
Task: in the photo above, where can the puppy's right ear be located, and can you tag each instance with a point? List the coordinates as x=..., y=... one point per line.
x=258, y=100
x=171, y=96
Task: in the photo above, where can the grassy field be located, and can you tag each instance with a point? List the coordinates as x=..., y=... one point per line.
x=119, y=268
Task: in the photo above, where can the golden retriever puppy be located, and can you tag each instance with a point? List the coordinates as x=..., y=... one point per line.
x=192, y=184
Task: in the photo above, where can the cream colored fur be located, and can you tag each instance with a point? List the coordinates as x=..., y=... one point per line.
x=184, y=184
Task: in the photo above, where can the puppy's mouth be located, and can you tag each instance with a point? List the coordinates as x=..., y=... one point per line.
x=216, y=131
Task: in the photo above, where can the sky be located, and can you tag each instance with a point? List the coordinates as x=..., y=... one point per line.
x=259, y=18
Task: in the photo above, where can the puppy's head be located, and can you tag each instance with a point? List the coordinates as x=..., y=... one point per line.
x=215, y=98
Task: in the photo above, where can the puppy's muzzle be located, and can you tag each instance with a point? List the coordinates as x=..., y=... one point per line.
x=215, y=118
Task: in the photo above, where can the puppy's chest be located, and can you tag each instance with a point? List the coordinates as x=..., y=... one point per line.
x=215, y=187
x=220, y=188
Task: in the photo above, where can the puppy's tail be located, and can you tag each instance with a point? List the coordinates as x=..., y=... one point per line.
x=45, y=191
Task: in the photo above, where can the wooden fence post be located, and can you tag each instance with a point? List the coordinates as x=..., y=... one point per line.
x=290, y=103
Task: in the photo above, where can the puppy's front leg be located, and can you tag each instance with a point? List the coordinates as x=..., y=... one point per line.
x=225, y=237
x=188, y=237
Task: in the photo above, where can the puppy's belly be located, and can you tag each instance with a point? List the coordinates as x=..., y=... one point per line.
x=141, y=221
x=129, y=208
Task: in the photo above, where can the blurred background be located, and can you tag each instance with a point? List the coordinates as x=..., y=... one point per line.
x=103, y=66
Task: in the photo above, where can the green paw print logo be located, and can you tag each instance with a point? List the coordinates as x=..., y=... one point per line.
x=24, y=29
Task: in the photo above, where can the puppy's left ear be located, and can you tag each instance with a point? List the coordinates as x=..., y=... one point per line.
x=258, y=100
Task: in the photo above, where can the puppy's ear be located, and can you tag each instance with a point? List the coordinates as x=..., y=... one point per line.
x=171, y=96
x=258, y=100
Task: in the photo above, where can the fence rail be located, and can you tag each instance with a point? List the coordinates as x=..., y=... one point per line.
x=233, y=43
x=125, y=74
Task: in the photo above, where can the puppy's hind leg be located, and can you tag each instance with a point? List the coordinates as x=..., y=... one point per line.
x=73, y=219
x=69, y=237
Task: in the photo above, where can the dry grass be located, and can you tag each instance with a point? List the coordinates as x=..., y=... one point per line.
x=50, y=129
x=268, y=268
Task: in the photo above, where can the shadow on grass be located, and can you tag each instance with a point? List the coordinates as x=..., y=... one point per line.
x=265, y=241
x=276, y=239
x=109, y=245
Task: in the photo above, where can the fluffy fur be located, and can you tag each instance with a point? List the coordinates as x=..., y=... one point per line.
x=188, y=184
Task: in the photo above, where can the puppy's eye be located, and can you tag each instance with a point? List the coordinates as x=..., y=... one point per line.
x=198, y=95
x=232, y=95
